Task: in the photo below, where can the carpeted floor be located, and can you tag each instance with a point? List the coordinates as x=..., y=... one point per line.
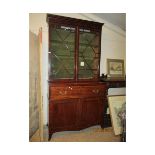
x=92, y=134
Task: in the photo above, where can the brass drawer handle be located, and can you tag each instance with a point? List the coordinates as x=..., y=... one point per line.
x=96, y=91
x=70, y=88
x=63, y=92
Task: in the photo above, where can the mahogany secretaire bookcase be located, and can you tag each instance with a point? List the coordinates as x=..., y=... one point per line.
x=76, y=97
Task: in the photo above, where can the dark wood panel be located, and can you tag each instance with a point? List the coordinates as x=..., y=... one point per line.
x=78, y=110
x=61, y=92
x=92, y=111
x=62, y=113
x=67, y=21
x=114, y=83
x=92, y=91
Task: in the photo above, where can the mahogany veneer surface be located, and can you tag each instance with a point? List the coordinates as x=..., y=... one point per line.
x=75, y=106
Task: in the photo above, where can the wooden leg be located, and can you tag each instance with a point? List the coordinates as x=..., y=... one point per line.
x=49, y=136
x=123, y=137
x=102, y=125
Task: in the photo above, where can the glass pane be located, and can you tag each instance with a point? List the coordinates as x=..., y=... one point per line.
x=62, y=47
x=88, y=54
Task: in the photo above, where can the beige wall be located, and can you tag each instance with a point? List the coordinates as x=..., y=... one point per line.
x=113, y=44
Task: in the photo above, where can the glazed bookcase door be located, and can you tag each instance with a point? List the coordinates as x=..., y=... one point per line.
x=62, y=52
x=89, y=54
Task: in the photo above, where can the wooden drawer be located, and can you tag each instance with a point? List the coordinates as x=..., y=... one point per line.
x=63, y=92
x=93, y=91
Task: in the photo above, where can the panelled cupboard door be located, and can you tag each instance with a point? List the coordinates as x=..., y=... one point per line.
x=92, y=111
x=63, y=113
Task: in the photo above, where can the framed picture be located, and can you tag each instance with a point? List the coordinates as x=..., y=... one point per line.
x=115, y=68
x=116, y=106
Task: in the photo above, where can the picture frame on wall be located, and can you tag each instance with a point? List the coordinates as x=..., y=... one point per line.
x=115, y=68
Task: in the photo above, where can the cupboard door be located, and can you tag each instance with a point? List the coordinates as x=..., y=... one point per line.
x=63, y=113
x=92, y=111
x=89, y=54
x=61, y=52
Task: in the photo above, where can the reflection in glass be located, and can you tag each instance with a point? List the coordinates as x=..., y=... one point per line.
x=62, y=46
x=88, y=54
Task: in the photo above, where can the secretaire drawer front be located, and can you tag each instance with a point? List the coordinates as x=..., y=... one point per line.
x=64, y=92
x=92, y=91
